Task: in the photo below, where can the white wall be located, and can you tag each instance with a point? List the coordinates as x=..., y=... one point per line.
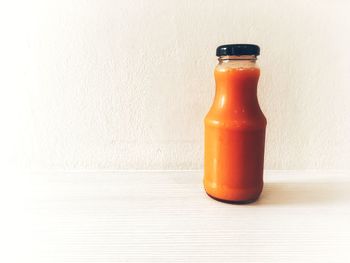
x=126, y=84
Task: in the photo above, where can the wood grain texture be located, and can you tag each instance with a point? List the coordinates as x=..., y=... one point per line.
x=165, y=216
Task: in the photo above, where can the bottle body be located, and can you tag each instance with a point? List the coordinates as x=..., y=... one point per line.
x=235, y=135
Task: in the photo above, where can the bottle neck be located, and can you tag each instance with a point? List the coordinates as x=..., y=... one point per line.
x=236, y=80
x=246, y=61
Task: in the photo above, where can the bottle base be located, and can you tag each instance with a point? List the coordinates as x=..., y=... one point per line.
x=233, y=202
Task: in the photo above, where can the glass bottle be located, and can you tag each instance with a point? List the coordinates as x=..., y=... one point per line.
x=235, y=128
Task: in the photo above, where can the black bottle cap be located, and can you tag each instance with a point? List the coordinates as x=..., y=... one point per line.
x=237, y=50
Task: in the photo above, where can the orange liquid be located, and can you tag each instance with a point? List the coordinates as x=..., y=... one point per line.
x=235, y=137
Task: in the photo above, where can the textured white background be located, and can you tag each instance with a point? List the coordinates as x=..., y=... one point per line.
x=126, y=84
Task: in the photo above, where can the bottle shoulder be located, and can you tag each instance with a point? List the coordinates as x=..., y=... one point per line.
x=236, y=121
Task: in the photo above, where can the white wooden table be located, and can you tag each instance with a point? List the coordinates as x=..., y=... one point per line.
x=165, y=216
